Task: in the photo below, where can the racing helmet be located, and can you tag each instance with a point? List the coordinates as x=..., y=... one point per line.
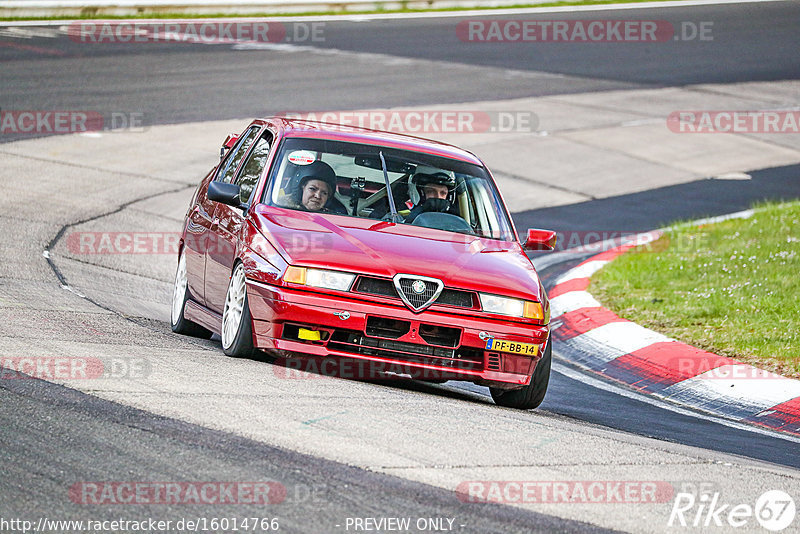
x=318, y=170
x=429, y=176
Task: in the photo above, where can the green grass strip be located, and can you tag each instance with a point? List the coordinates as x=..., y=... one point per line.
x=731, y=288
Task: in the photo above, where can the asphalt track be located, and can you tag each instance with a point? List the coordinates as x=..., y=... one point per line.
x=40, y=419
x=172, y=83
x=91, y=438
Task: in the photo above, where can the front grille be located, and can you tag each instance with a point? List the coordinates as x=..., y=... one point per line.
x=376, y=286
x=357, y=343
x=418, y=300
x=454, y=297
x=385, y=288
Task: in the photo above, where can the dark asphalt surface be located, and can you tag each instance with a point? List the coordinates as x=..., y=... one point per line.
x=180, y=82
x=657, y=208
x=749, y=42
x=53, y=437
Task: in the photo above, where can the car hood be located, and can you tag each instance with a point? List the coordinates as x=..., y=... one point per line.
x=383, y=249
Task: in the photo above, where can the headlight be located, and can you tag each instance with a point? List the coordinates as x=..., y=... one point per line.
x=513, y=307
x=319, y=278
x=329, y=279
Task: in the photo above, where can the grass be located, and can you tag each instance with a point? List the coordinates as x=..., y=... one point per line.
x=731, y=288
x=93, y=14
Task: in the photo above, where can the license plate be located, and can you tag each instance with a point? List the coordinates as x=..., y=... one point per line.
x=514, y=347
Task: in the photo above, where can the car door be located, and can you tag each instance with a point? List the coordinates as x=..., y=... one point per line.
x=195, y=240
x=228, y=224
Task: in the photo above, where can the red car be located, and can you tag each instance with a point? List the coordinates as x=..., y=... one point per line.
x=317, y=240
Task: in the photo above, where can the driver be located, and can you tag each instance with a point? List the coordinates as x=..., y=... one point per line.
x=436, y=193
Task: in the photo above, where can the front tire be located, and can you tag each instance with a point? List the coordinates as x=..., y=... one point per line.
x=180, y=294
x=237, y=323
x=532, y=395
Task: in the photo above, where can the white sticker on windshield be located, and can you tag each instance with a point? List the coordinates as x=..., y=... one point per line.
x=302, y=157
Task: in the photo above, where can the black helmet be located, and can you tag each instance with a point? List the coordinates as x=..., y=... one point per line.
x=319, y=170
x=421, y=179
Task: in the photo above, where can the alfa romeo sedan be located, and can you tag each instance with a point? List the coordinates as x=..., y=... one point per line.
x=315, y=240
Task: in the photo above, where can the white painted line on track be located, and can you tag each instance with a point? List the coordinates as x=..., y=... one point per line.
x=72, y=290
x=388, y=59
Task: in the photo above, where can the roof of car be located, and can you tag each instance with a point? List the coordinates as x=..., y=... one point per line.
x=306, y=128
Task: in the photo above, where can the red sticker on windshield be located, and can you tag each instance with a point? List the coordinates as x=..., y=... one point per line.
x=302, y=157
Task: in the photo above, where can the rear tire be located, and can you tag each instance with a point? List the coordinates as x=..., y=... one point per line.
x=532, y=395
x=237, y=323
x=180, y=294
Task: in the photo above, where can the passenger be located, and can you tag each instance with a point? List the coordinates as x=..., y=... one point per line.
x=314, y=194
x=315, y=189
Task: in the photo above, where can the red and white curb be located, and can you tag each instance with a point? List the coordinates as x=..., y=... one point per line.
x=599, y=340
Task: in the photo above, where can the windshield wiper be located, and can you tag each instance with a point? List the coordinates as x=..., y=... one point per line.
x=392, y=207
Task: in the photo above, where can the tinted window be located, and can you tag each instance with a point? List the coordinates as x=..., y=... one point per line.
x=237, y=153
x=252, y=168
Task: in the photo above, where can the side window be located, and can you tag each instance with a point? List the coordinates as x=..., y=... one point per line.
x=252, y=168
x=485, y=209
x=236, y=155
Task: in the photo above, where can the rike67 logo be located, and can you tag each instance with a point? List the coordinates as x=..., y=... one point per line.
x=774, y=510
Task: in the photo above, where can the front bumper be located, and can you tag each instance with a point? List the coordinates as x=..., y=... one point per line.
x=432, y=345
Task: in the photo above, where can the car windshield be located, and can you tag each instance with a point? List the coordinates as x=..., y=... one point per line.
x=344, y=178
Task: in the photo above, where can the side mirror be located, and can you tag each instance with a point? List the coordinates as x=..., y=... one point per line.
x=540, y=240
x=225, y=193
x=229, y=142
